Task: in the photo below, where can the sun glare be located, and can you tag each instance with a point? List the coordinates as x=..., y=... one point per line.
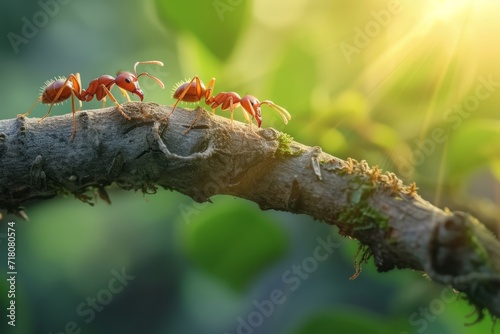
x=435, y=50
x=447, y=9
x=450, y=32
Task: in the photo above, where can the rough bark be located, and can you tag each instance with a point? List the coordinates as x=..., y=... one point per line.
x=393, y=223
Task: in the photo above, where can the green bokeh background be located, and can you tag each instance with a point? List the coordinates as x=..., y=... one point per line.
x=378, y=95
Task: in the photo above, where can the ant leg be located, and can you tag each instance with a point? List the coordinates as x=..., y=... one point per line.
x=108, y=93
x=248, y=119
x=252, y=130
x=194, y=121
x=73, y=131
x=76, y=93
x=124, y=93
x=250, y=123
x=79, y=95
x=31, y=109
x=209, y=100
x=48, y=112
x=231, y=109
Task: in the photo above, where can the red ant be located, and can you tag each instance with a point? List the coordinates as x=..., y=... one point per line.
x=126, y=81
x=59, y=90
x=56, y=91
x=195, y=90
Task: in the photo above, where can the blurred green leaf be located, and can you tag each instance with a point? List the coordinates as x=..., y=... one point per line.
x=217, y=24
x=351, y=107
x=234, y=242
x=474, y=144
x=382, y=135
x=352, y=322
x=348, y=109
x=196, y=59
x=495, y=168
x=333, y=141
x=294, y=80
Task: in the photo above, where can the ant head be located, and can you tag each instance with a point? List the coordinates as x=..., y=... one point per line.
x=252, y=106
x=128, y=81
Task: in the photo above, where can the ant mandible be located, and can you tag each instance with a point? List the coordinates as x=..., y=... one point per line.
x=59, y=90
x=195, y=90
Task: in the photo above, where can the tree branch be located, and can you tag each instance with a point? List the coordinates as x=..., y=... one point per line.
x=394, y=224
